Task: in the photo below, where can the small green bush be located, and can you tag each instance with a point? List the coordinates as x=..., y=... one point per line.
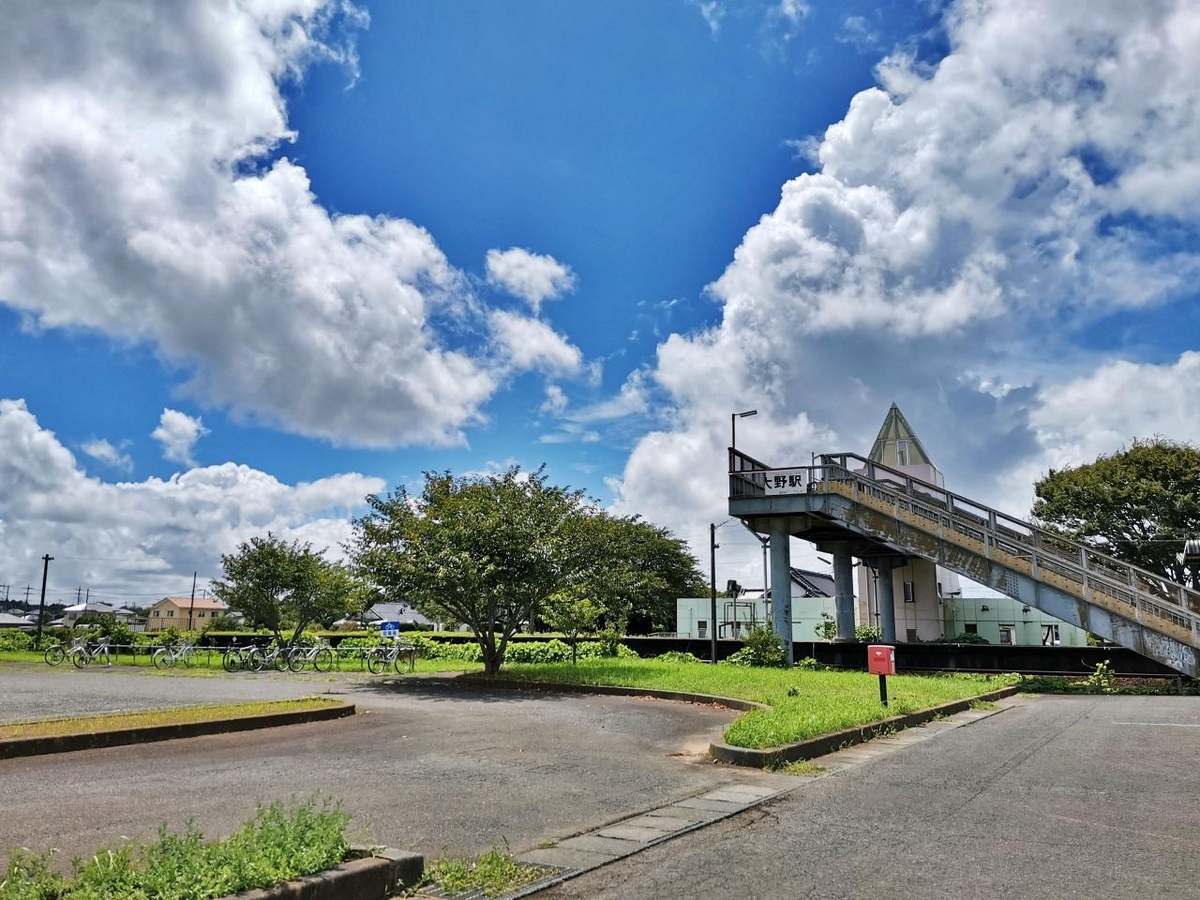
x=678, y=656
x=762, y=648
x=810, y=663
x=963, y=638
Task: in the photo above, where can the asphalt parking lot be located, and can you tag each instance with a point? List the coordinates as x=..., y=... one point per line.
x=423, y=767
x=1052, y=797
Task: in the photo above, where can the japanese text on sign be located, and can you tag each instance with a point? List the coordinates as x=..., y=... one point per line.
x=787, y=481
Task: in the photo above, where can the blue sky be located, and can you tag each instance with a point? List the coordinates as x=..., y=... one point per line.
x=258, y=261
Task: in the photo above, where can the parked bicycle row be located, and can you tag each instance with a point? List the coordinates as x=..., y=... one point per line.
x=251, y=658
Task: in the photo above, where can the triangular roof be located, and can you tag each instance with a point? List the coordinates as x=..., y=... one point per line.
x=896, y=428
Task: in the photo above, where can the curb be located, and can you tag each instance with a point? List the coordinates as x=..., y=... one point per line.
x=553, y=688
x=17, y=747
x=827, y=743
x=381, y=874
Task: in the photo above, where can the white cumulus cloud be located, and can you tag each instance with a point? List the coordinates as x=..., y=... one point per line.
x=533, y=277
x=139, y=198
x=178, y=433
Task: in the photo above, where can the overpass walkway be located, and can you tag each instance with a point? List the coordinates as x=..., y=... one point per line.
x=884, y=511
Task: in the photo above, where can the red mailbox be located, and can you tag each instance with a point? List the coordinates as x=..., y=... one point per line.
x=881, y=659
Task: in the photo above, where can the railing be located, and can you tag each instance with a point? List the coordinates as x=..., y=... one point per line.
x=1044, y=555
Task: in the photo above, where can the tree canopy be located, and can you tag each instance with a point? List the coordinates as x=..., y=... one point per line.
x=276, y=585
x=1139, y=505
x=498, y=551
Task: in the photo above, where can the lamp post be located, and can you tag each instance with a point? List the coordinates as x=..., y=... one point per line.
x=733, y=425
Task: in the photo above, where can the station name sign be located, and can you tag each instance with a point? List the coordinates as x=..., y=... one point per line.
x=787, y=481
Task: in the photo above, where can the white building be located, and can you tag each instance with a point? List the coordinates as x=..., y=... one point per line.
x=812, y=601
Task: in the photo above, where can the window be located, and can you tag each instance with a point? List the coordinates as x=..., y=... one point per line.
x=200, y=615
x=910, y=635
x=970, y=628
x=1050, y=636
x=170, y=613
x=902, y=453
x=156, y=614
x=910, y=593
x=1008, y=634
x=702, y=628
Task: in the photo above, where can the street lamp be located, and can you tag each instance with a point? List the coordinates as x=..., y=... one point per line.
x=733, y=425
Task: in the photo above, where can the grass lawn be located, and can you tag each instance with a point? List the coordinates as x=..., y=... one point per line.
x=179, y=716
x=804, y=703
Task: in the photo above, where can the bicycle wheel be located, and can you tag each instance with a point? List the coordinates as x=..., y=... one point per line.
x=55, y=654
x=323, y=661
x=280, y=660
x=297, y=660
x=231, y=660
x=185, y=658
x=255, y=659
x=104, y=658
x=79, y=658
x=376, y=662
x=162, y=658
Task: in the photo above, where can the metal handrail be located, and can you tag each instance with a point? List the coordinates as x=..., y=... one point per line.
x=1087, y=572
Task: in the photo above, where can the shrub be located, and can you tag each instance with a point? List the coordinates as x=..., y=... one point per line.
x=12, y=639
x=762, y=648
x=809, y=663
x=678, y=656
x=554, y=651
x=866, y=634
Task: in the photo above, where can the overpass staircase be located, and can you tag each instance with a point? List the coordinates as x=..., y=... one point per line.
x=893, y=512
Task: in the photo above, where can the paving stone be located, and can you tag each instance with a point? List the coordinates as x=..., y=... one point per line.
x=738, y=794
x=593, y=843
x=721, y=806
x=632, y=833
x=660, y=821
x=696, y=813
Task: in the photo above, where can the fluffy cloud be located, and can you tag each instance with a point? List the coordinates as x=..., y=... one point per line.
x=533, y=277
x=106, y=453
x=133, y=540
x=532, y=344
x=139, y=198
x=177, y=433
x=968, y=221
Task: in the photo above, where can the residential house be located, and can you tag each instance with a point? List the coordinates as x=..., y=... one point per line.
x=72, y=614
x=184, y=613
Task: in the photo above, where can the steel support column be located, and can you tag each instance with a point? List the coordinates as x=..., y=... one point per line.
x=843, y=585
x=781, y=587
x=885, y=597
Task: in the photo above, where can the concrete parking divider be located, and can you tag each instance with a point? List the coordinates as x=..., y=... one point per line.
x=37, y=746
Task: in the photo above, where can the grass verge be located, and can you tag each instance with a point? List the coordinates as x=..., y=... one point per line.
x=803, y=703
x=281, y=842
x=491, y=874
x=179, y=716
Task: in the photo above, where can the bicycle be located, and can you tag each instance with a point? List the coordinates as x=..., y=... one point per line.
x=379, y=658
x=82, y=656
x=259, y=659
x=167, y=657
x=58, y=653
x=319, y=655
x=235, y=658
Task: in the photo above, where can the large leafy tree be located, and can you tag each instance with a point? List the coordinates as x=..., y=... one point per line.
x=486, y=552
x=1139, y=505
x=279, y=585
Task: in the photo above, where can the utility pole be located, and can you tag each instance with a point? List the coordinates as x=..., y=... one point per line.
x=192, y=606
x=712, y=584
x=42, y=606
x=28, y=591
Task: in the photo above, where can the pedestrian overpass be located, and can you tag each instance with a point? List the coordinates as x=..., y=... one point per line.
x=854, y=507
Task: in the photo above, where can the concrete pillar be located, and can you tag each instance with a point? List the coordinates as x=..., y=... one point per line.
x=885, y=597
x=843, y=585
x=781, y=588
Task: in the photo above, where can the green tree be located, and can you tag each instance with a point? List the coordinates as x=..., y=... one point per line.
x=662, y=569
x=1138, y=505
x=484, y=551
x=277, y=585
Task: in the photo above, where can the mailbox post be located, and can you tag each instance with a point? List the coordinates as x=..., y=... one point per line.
x=881, y=661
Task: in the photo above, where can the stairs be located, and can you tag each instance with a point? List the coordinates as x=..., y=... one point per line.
x=1122, y=603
